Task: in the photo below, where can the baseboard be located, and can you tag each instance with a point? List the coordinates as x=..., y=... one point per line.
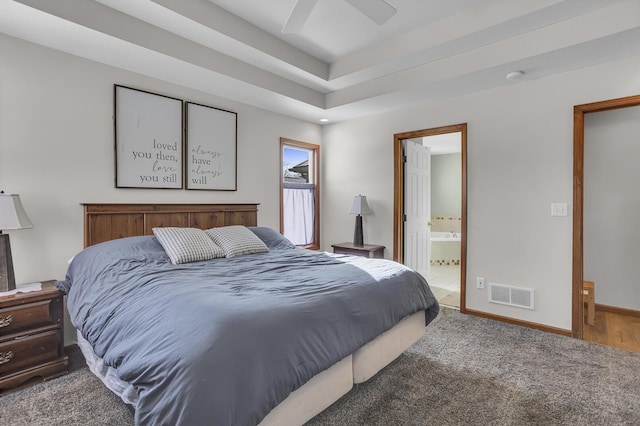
x=528, y=324
x=617, y=310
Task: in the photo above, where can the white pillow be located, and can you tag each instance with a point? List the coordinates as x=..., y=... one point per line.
x=184, y=245
x=237, y=240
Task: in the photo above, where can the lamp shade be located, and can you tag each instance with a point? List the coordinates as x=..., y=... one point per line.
x=12, y=214
x=359, y=205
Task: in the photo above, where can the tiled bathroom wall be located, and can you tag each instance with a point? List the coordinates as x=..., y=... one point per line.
x=446, y=252
x=446, y=223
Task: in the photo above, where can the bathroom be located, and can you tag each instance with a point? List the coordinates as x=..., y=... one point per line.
x=446, y=217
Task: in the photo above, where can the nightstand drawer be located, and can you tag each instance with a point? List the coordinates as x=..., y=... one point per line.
x=27, y=351
x=28, y=316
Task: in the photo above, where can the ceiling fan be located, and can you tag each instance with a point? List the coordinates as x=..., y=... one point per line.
x=379, y=11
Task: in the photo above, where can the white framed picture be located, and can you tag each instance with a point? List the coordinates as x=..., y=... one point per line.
x=210, y=148
x=148, y=139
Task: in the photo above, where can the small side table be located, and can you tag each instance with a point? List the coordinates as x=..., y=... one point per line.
x=31, y=337
x=365, y=250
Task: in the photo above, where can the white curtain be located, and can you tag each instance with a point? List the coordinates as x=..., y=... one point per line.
x=298, y=213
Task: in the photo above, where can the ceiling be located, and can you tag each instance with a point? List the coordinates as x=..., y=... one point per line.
x=341, y=65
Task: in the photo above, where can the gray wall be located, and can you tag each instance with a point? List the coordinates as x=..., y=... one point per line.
x=612, y=206
x=446, y=185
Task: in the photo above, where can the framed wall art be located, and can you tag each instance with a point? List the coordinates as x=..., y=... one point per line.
x=211, y=148
x=148, y=139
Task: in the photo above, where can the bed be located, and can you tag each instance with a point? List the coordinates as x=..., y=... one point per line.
x=269, y=337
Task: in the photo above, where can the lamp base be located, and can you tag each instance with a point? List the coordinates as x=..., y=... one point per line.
x=357, y=234
x=7, y=279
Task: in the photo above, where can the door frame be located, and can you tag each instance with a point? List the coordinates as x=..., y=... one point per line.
x=577, y=310
x=398, y=197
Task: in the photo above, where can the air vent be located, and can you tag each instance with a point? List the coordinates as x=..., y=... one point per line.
x=510, y=295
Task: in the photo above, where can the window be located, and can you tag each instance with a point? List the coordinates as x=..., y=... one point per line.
x=300, y=193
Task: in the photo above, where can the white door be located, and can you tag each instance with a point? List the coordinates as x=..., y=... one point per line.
x=417, y=207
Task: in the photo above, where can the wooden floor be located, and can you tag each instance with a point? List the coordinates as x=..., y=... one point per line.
x=618, y=331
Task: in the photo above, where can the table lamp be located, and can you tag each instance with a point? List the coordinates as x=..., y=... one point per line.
x=359, y=207
x=12, y=216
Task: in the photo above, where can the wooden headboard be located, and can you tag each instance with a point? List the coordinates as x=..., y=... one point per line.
x=104, y=222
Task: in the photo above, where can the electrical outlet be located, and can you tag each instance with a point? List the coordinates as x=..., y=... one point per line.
x=480, y=283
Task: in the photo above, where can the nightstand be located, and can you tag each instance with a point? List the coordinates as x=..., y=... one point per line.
x=365, y=250
x=31, y=336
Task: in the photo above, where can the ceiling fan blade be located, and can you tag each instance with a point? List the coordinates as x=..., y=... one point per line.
x=299, y=16
x=379, y=11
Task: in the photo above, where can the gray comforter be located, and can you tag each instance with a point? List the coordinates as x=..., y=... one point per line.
x=222, y=342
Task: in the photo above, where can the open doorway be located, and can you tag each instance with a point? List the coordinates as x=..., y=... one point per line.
x=446, y=216
x=430, y=208
x=606, y=207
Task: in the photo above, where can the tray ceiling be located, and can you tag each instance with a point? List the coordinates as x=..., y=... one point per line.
x=340, y=65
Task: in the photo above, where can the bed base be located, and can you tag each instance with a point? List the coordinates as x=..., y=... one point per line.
x=382, y=350
x=313, y=397
x=316, y=395
x=319, y=392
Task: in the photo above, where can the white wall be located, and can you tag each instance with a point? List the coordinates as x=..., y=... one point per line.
x=57, y=144
x=520, y=151
x=612, y=205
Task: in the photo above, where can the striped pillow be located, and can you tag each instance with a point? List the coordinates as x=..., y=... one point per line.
x=237, y=240
x=184, y=245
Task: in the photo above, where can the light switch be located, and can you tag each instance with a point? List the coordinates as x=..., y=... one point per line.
x=559, y=209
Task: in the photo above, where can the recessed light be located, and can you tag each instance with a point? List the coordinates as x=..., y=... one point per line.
x=324, y=120
x=515, y=76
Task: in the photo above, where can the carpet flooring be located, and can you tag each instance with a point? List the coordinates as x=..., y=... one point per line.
x=465, y=371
